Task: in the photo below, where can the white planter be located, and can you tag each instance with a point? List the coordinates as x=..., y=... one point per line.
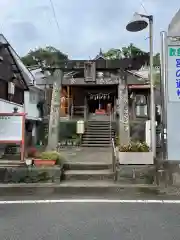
x=28, y=161
x=139, y=158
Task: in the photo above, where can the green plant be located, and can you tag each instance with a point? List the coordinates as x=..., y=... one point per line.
x=134, y=147
x=74, y=136
x=51, y=155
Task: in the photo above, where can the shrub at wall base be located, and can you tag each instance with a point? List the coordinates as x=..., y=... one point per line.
x=48, y=159
x=135, y=153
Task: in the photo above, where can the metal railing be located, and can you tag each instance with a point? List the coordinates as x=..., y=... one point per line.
x=79, y=111
x=110, y=127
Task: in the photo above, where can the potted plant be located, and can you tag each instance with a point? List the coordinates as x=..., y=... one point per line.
x=76, y=140
x=135, y=153
x=47, y=158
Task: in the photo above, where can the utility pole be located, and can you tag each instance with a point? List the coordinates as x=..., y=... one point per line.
x=54, y=118
x=124, y=129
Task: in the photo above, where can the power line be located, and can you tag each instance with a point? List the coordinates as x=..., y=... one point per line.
x=54, y=15
x=142, y=5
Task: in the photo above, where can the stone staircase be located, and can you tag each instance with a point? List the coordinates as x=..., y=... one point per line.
x=88, y=167
x=97, y=134
x=86, y=172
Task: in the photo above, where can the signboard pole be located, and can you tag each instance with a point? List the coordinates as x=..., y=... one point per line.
x=163, y=87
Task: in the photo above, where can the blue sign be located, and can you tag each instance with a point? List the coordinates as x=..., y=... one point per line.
x=173, y=83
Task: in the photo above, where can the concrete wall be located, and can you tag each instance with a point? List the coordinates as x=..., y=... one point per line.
x=31, y=99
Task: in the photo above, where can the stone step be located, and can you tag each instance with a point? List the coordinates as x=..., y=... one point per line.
x=97, y=131
x=122, y=190
x=93, y=141
x=10, y=163
x=97, y=138
x=11, y=157
x=98, y=127
x=98, y=122
x=88, y=175
x=87, y=166
x=96, y=142
x=104, y=145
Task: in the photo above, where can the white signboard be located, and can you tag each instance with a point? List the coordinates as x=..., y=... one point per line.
x=11, y=128
x=173, y=81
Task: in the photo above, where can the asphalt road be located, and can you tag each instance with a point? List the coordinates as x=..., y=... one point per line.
x=90, y=221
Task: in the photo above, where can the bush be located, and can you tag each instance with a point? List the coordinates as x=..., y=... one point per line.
x=51, y=155
x=134, y=147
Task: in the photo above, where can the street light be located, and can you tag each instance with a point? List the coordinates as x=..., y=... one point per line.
x=138, y=23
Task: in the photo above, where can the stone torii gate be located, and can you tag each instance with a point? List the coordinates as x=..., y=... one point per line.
x=90, y=68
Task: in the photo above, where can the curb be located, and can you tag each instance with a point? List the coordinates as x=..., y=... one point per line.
x=63, y=185
x=49, y=188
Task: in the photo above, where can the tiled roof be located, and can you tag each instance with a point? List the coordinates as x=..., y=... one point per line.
x=28, y=77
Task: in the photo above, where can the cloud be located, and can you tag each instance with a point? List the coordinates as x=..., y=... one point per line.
x=24, y=31
x=85, y=26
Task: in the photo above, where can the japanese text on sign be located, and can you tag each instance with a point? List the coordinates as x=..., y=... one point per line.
x=174, y=74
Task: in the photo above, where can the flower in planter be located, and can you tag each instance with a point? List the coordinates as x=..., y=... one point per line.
x=51, y=156
x=32, y=152
x=134, y=147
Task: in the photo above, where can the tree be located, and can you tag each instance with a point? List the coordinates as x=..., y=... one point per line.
x=128, y=52
x=156, y=78
x=113, y=54
x=156, y=60
x=131, y=51
x=48, y=56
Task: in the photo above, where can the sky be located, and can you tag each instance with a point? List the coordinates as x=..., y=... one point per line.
x=84, y=26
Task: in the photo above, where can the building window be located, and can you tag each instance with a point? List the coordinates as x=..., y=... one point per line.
x=32, y=97
x=141, y=108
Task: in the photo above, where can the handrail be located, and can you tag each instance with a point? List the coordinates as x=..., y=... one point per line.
x=110, y=127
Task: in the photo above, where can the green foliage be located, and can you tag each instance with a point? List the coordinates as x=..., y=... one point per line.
x=156, y=60
x=134, y=147
x=156, y=78
x=51, y=155
x=128, y=52
x=131, y=51
x=49, y=56
x=113, y=54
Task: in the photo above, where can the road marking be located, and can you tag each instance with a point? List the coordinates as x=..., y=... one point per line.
x=88, y=201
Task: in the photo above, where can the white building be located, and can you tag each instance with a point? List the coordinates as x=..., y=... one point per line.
x=17, y=87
